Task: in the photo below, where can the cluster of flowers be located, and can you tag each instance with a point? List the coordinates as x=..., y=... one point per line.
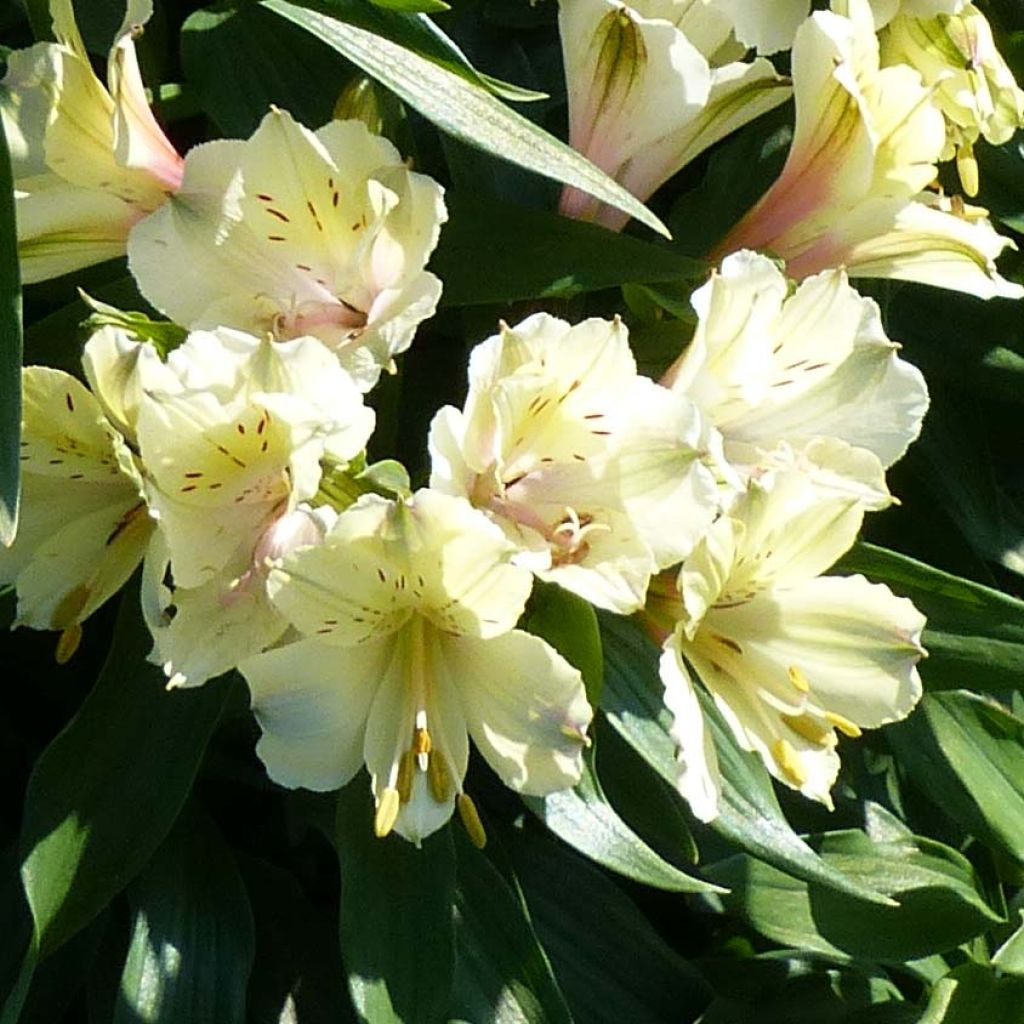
x=378, y=626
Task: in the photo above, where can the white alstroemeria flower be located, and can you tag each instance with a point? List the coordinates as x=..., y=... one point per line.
x=84, y=526
x=592, y=470
x=790, y=656
x=298, y=233
x=409, y=611
x=89, y=160
x=230, y=451
x=770, y=27
x=974, y=88
x=652, y=85
x=851, y=191
x=767, y=367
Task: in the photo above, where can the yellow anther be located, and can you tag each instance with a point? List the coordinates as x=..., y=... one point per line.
x=439, y=778
x=844, y=725
x=799, y=680
x=406, y=768
x=786, y=758
x=387, y=812
x=421, y=741
x=68, y=643
x=471, y=819
x=69, y=608
x=810, y=728
x=967, y=169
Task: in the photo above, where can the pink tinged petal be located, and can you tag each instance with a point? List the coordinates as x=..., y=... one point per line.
x=312, y=706
x=138, y=140
x=625, y=76
x=525, y=707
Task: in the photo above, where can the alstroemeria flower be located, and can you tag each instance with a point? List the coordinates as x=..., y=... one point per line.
x=409, y=611
x=231, y=448
x=298, y=233
x=767, y=367
x=974, y=88
x=651, y=85
x=789, y=656
x=592, y=470
x=89, y=160
x=84, y=526
x=851, y=191
x=770, y=27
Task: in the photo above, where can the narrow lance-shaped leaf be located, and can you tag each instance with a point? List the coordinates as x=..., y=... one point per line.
x=10, y=354
x=501, y=972
x=584, y=818
x=107, y=790
x=967, y=752
x=397, y=936
x=940, y=905
x=464, y=110
x=191, y=947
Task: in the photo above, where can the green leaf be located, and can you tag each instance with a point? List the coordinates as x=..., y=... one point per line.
x=396, y=916
x=497, y=252
x=1010, y=955
x=297, y=955
x=940, y=905
x=416, y=32
x=10, y=355
x=988, y=359
x=780, y=988
x=569, y=624
x=189, y=900
x=974, y=635
x=107, y=790
x=242, y=61
x=967, y=753
x=952, y=460
x=501, y=971
x=610, y=963
x=164, y=335
x=749, y=815
x=584, y=819
x=972, y=993
x=429, y=6
x=465, y=110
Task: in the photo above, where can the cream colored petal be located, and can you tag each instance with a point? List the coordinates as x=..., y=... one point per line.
x=931, y=245
x=312, y=703
x=766, y=27
x=854, y=643
x=417, y=689
x=459, y=565
x=800, y=762
x=525, y=707
x=699, y=780
x=63, y=227
x=347, y=591
x=835, y=468
x=118, y=367
x=206, y=631
x=84, y=563
x=786, y=531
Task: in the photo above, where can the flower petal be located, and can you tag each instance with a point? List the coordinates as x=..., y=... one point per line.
x=312, y=706
x=525, y=707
